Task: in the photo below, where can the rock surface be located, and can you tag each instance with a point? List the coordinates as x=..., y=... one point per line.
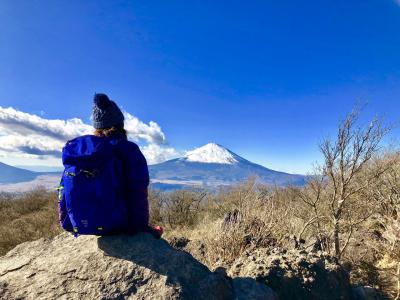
x=115, y=267
x=366, y=293
x=295, y=274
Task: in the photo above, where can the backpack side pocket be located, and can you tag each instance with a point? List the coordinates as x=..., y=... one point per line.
x=65, y=222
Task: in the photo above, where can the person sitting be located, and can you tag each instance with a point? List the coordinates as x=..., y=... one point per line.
x=108, y=123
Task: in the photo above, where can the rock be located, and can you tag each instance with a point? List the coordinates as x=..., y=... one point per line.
x=295, y=274
x=366, y=293
x=221, y=270
x=246, y=288
x=196, y=248
x=179, y=242
x=292, y=242
x=112, y=267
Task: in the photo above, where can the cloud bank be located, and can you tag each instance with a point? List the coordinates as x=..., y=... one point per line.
x=138, y=130
x=28, y=135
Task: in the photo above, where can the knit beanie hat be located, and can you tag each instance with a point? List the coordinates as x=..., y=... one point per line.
x=105, y=113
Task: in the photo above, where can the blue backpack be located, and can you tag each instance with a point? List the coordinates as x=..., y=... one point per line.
x=91, y=186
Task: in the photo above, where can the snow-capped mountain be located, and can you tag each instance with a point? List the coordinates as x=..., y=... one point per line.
x=212, y=153
x=213, y=165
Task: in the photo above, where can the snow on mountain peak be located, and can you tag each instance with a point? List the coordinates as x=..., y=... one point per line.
x=212, y=153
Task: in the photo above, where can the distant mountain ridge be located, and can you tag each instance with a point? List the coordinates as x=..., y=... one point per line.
x=41, y=169
x=209, y=166
x=10, y=174
x=19, y=180
x=213, y=165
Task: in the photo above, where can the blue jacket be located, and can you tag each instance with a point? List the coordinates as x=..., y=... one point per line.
x=135, y=183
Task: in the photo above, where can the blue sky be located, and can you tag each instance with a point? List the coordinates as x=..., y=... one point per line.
x=266, y=79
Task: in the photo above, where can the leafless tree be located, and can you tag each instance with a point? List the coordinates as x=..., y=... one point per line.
x=345, y=158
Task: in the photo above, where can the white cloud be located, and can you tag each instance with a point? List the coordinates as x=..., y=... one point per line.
x=24, y=159
x=155, y=153
x=27, y=136
x=31, y=144
x=137, y=130
x=19, y=123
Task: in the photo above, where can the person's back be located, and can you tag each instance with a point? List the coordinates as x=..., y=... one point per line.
x=134, y=180
x=108, y=122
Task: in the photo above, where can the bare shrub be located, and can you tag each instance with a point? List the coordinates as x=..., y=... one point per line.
x=156, y=207
x=27, y=217
x=177, y=209
x=338, y=205
x=253, y=217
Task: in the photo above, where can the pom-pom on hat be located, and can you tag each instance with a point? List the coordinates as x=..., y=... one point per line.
x=105, y=113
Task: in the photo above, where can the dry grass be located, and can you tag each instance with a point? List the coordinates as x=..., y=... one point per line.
x=27, y=217
x=245, y=216
x=248, y=216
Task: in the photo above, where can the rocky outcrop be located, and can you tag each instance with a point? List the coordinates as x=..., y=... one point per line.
x=115, y=267
x=295, y=274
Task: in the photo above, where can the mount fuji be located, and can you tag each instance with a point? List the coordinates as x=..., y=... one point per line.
x=213, y=165
x=210, y=166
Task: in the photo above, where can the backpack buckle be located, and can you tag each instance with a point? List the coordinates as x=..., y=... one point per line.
x=90, y=174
